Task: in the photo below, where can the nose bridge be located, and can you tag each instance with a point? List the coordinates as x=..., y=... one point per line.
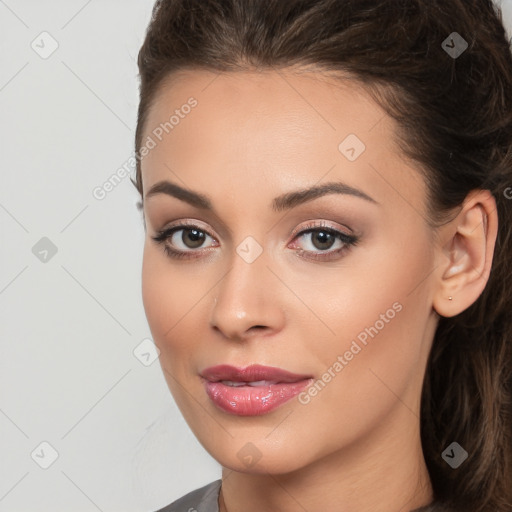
x=246, y=296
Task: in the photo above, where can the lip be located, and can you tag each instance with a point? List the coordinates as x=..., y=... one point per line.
x=252, y=373
x=252, y=400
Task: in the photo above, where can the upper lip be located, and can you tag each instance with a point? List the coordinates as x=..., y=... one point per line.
x=252, y=373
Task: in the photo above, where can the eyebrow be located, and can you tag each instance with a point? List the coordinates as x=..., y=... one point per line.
x=283, y=202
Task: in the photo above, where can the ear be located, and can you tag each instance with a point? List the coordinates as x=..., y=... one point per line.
x=466, y=253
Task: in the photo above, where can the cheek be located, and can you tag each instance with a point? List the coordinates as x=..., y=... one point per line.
x=377, y=315
x=170, y=298
x=176, y=304
x=156, y=303
x=168, y=295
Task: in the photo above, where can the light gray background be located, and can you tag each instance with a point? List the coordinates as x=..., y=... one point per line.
x=69, y=325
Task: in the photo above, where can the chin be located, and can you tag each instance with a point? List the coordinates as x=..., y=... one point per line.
x=254, y=457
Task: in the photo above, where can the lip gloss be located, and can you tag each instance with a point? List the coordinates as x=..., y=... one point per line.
x=253, y=400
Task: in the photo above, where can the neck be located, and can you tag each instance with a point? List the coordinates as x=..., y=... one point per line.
x=383, y=471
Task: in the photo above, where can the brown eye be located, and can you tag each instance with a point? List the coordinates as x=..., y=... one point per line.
x=322, y=239
x=192, y=238
x=317, y=242
x=183, y=239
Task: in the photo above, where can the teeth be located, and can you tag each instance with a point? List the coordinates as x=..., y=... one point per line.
x=233, y=383
x=254, y=383
x=262, y=382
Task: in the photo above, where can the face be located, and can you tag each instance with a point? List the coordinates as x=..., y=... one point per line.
x=333, y=286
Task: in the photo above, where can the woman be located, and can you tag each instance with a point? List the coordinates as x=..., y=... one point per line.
x=326, y=188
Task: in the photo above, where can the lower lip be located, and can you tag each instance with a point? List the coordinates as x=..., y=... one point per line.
x=253, y=400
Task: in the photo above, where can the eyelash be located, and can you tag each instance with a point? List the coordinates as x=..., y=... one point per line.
x=348, y=241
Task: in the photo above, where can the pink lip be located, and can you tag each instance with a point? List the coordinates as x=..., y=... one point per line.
x=252, y=400
x=250, y=373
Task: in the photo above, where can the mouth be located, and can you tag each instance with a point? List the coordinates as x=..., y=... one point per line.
x=255, y=383
x=252, y=374
x=251, y=391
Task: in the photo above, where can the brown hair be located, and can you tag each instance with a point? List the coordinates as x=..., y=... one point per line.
x=455, y=120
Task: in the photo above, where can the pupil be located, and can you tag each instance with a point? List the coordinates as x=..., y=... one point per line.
x=324, y=238
x=195, y=236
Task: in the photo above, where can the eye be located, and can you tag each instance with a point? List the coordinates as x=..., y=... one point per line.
x=322, y=238
x=190, y=238
x=180, y=241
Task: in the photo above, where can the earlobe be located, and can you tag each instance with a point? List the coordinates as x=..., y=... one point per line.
x=466, y=256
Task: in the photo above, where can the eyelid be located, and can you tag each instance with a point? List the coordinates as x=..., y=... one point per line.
x=322, y=224
x=189, y=224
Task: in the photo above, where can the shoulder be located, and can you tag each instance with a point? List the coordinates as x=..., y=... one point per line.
x=203, y=499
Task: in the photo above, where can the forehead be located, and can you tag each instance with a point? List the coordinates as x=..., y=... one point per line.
x=291, y=98
x=270, y=130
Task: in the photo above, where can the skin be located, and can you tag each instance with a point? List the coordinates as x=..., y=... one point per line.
x=253, y=136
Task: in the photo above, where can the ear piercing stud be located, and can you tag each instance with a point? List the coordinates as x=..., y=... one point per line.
x=450, y=297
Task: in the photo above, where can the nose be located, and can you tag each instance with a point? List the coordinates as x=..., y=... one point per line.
x=247, y=301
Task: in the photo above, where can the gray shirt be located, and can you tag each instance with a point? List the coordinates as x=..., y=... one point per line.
x=205, y=499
